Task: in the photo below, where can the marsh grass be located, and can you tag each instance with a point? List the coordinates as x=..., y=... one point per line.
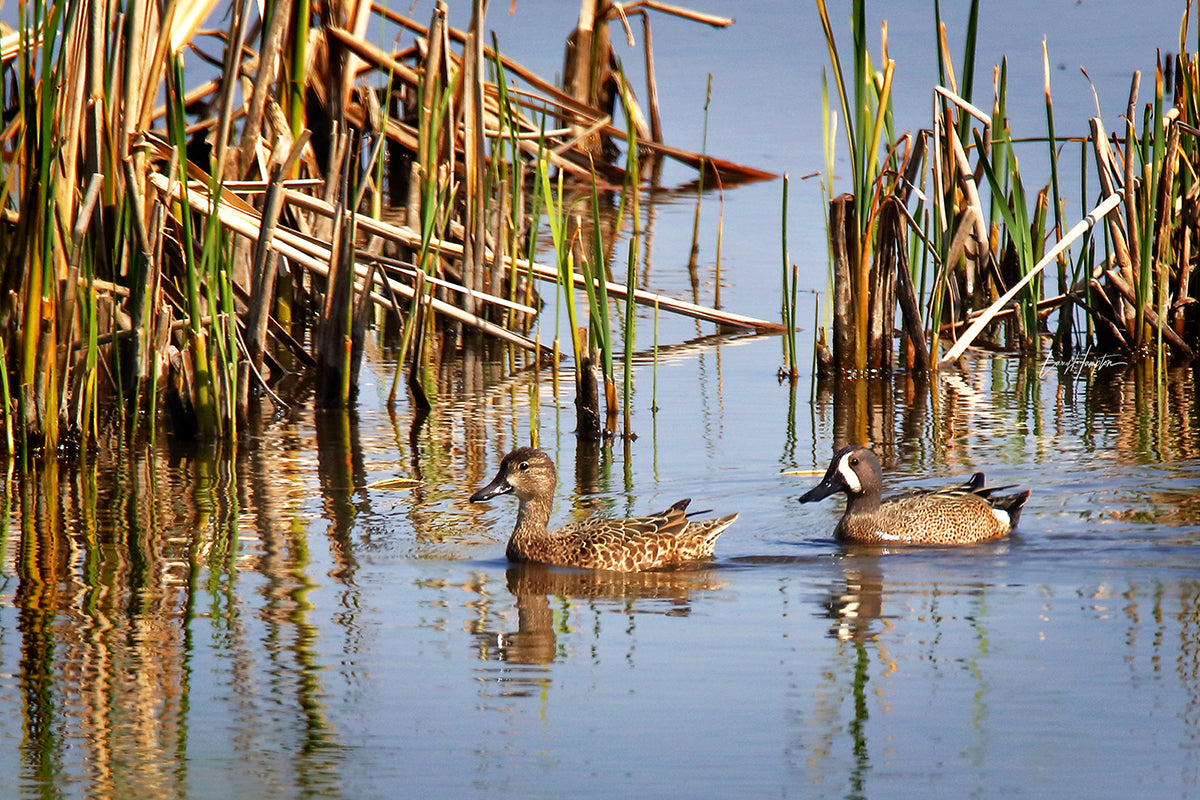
x=787, y=299
x=861, y=341
x=987, y=235
x=184, y=257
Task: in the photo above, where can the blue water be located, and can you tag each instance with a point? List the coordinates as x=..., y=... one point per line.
x=279, y=629
x=266, y=623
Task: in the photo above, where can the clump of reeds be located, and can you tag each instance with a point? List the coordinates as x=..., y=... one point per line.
x=987, y=237
x=185, y=257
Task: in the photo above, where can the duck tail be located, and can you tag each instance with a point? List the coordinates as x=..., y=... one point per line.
x=720, y=524
x=1011, y=504
x=705, y=532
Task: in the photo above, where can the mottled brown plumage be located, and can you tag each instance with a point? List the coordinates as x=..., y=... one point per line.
x=964, y=514
x=624, y=545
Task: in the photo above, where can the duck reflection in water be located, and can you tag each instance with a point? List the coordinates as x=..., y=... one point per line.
x=535, y=641
x=854, y=606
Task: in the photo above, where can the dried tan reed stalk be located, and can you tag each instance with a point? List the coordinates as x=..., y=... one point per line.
x=242, y=219
x=1082, y=227
x=1152, y=318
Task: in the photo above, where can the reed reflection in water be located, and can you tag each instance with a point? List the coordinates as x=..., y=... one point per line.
x=934, y=668
x=1116, y=413
x=263, y=623
x=131, y=584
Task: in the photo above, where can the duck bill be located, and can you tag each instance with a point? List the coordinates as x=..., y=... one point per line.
x=497, y=487
x=820, y=491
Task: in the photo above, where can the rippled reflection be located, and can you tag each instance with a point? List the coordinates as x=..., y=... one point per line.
x=540, y=591
x=260, y=621
x=973, y=655
x=1114, y=413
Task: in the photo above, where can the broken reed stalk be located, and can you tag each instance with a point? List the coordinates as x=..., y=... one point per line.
x=335, y=326
x=680, y=307
x=183, y=296
x=474, y=166
x=1082, y=227
x=893, y=226
x=853, y=233
x=264, y=263
x=844, y=248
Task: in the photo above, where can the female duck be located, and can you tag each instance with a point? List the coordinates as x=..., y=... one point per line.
x=625, y=545
x=964, y=514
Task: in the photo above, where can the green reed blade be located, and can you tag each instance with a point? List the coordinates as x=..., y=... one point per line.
x=654, y=381
x=630, y=333
x=297, y=49
x=6, y=400
x=1154, y=131
x=557, y=223
x=597, y=275
x=701, y=172
x=967, y=83
x=861, y=118
x=632, y=190
x=206, y=413
x=1052, y=144
x=843, y=94
x=788, y=290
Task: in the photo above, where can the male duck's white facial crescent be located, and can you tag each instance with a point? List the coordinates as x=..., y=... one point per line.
x=849, y=475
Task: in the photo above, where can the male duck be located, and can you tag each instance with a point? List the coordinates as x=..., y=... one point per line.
x=964, y=514
x=624, y=545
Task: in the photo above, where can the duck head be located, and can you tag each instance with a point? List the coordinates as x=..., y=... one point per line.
x=854, y=470
x=526, y=472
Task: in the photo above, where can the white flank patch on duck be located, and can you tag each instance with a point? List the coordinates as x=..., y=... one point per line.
x=1003, y=516
x=849, y=476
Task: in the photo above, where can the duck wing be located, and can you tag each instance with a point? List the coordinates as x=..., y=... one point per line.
x=633, y=543
x=670, y=522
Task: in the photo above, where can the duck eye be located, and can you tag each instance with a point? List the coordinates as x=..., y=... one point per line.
x=854, y=462
x=524, y=466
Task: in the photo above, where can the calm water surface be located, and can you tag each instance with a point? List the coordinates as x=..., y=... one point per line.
x=267, y=625
x=200, y=622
